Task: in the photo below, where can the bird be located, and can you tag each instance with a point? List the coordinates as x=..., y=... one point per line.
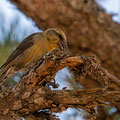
x=31, y=50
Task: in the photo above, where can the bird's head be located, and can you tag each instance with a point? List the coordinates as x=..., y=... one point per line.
x=56, y=37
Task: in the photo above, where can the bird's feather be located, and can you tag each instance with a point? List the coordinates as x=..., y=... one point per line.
x=2, y=68
x=24, y=45
x=7, y=73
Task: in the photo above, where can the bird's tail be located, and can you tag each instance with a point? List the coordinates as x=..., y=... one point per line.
x=5, y=72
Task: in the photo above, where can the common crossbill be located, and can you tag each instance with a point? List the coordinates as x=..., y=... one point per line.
x=31, y=50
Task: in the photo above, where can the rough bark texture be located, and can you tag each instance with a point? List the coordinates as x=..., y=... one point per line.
x=27, y=98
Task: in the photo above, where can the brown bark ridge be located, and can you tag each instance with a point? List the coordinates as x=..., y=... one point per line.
x=27, y=99
x=88, y=28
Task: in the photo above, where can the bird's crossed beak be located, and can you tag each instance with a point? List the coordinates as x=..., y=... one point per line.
x=62, y=45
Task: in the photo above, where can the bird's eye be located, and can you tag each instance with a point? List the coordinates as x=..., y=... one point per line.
x=60, y=36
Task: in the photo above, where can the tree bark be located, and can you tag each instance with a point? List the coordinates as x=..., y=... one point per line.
x=31, y=95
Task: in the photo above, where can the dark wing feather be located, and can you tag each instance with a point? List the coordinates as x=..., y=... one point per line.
x=24, y=45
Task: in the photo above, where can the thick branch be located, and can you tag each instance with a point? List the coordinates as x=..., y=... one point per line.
x=59, y=100
x=28, y=99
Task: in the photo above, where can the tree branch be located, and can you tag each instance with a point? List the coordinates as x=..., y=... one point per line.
x=27, y=99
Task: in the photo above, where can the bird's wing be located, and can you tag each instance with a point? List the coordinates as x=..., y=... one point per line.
x=24, y=45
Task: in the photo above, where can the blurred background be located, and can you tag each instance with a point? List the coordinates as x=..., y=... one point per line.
x=15, y=26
